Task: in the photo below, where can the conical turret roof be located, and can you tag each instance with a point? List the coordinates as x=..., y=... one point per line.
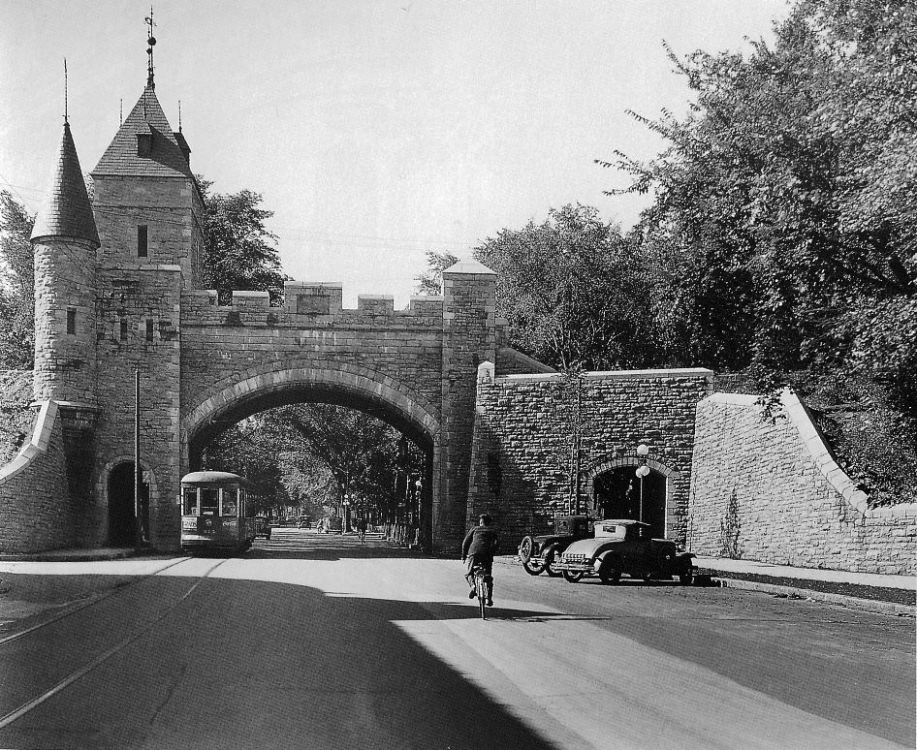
x=164, y=157
x=67, y=211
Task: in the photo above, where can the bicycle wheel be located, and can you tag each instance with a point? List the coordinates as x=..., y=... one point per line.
x=481, y=587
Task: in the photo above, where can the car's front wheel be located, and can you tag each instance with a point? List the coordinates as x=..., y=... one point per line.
x=526, y=552
x=572, y=576
x=686, y=578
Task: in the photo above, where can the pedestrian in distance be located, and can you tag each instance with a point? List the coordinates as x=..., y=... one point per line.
x=361, y=527
x=479, y=548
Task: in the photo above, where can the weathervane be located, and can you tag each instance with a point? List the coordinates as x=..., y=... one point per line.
x=151, y=41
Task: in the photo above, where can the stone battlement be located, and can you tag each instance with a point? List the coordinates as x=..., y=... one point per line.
x=308, y=305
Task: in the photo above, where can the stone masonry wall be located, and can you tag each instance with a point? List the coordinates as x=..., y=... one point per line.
x=170, y=209
x=139, y=330
x=35, y=514
x=770, y=491
x=523, y=427
x=469, y=338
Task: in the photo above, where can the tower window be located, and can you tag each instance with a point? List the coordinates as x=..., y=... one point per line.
x=123, y=328
x=149, y=330
x=71, y=322
x=144, y=144
x=143, y=234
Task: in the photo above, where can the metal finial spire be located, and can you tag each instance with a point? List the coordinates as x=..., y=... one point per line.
x=66, y=117
x=151, y=41
x=179, y=115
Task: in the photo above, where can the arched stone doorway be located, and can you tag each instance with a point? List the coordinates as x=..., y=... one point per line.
x=614, y=488
x=121, y=523
x=619, y=493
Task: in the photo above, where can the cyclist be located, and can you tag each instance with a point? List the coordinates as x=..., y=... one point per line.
x=479, y=548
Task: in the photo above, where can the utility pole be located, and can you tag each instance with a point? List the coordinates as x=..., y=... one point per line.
x=138, y=525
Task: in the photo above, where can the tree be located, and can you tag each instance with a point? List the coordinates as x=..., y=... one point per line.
x=364, y=454
x=782, y=231
x=784, y=203
x=572, y=290
x=431, y=280
x=240, y=252
x=17, y=285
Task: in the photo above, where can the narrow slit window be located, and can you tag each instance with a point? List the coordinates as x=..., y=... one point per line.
x=71, y=322
x=123, y=328
x=149, y=330
x=142, y=240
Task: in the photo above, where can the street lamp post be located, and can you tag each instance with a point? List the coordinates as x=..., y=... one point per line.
x=642, y=471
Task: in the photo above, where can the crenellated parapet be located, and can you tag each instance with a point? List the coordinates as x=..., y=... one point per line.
x=308, y=305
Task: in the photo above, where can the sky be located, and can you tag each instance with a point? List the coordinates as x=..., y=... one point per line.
x=374, y=130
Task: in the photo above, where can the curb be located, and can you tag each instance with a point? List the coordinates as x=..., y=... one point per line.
x=801, y=593
x=73, y=556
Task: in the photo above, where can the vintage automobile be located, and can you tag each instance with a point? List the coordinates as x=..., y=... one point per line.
x=625, y=546
x=538, y=553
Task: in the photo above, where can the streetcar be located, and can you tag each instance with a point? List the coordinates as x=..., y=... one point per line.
x=214, y=517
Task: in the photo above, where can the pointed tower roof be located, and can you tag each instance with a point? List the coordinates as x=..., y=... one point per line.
x=145, y=145
x=67, y=211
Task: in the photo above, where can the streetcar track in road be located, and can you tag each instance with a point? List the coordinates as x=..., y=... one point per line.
x=30, y=705
x=72, y=609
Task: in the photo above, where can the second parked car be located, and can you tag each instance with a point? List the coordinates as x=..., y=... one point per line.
x=539, y=553
x=625, y=546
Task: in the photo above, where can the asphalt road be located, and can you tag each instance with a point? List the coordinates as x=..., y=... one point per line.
x=315, y=641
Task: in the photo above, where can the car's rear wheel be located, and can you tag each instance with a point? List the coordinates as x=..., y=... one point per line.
x=571, y=576
x=609, y=572
x=549, y=557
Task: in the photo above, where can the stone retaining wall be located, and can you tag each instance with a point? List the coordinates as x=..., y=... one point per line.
x=771, y=491
x=38, y=473
x=523, y=441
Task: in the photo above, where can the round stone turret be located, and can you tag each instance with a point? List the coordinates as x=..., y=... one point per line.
x=64, y=241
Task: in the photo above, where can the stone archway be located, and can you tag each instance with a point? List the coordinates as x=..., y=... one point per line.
x=613, y=487
x=350, y=386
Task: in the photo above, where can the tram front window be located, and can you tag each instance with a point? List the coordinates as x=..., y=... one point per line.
x=210, y=501
x=189, y=501
x=230, y=502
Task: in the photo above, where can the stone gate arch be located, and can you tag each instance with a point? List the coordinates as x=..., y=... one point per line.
x=234, y=398
x=353, y=386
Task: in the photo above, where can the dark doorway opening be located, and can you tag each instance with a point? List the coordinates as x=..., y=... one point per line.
x=617, y=495
x=121, y=531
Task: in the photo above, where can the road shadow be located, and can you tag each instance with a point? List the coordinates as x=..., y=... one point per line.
x=262, y=664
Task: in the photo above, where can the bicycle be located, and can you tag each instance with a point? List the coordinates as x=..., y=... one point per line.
x=480, y=588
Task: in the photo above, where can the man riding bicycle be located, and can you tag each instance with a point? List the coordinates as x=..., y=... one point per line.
x=479, y=548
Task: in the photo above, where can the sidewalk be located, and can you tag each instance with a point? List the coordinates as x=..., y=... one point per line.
x=895, y=595
x=81, y=555
x=892, y=594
